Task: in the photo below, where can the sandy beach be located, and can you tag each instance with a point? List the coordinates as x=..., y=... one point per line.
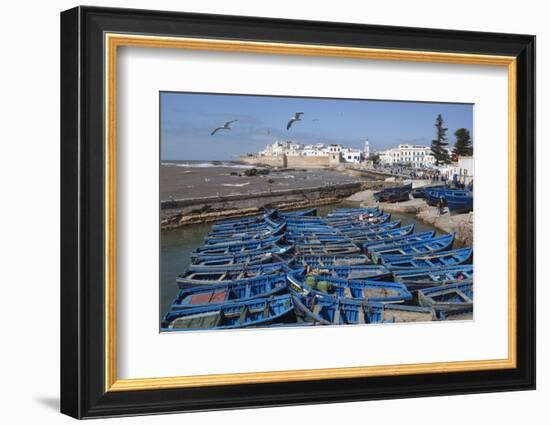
x=186, y=181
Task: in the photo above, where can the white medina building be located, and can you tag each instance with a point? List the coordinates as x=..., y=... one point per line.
x=314, y=150
x=282, y=148
x=351, y=155
x=417, y=156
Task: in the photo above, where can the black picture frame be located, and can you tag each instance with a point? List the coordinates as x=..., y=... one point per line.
x=82, y=218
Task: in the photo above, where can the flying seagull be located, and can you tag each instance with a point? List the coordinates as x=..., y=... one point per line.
x=223, y=127
x=296, y=117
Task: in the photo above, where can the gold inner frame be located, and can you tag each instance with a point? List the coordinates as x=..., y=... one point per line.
x=113, y=41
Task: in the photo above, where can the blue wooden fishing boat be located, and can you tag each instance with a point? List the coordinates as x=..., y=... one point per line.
x=396, y=313
x=419, y=192
x=258, y=287
x=460, y=201
x=317, y=231
x=230, y=222
x=381, y=236
x=275, y=263
x=265, y=257
x=360, y=271
x=215, y=276
x=236, y=247
x=440, y=243
x=314, y=261
x=351, y=212
x=382, y=244
x=232, y=315
x=360, y=221
x=320, y=310
x=247, y=229
x=430, y=277
x=327, y=249
x=346, y=218
x=433, y=194
x=244, y=236
x=440, y=259
x=280, y=249
x=394, y=197
x=315, y=238
x=383, y=195
x=301, y=213
x=357, y=289
x=448, y=298
x=360, y=228
x=240, y=228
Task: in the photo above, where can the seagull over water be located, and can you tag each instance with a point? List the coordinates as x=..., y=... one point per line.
x=223, y=127
x=296, y=117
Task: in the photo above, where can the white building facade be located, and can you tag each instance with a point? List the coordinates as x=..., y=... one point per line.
x=414, y=155
x=334, y=151
x=350, y=155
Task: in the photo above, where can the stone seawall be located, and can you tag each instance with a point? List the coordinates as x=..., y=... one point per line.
x=289, y=161
x=177, y=213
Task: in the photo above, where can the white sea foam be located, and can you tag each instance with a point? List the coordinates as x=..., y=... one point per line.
x=206, y=164
x=236, y=184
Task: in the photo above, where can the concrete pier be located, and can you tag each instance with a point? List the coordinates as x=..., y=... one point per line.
x=177, y=213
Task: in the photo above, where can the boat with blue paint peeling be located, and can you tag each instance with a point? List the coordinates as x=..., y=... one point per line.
x=251, y=229
x=378, y=245
x=360, y=271
x=426, y=278
x=314, y=231
x=236, y=247
x=265, y=257
x=302, y=213
x=314, y=261
x=440, y=259
x=448, y=298
x=360, y=228
x=258, y=287
x=362, y=290
x=244, y=236
x=352, y=212
x=397, y=313
x=336, y=219
x=280, y=249
x=326, y=249
x=232, y=315
x=313, y=238
x=231, y=222
x=320, y=310
x=360, y=221
x=214, y=276
x=241, y=228
x=382, y=236
x=436, y=244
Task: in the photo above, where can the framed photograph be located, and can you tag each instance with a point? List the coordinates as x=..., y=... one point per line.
x=261, y=212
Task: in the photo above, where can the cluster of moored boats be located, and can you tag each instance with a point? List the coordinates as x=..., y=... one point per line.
x=458, y=201
x=353, y=266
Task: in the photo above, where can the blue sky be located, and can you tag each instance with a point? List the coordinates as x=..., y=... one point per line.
x=187, y=119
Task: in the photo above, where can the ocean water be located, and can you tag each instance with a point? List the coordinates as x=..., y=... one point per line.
x=177, y=245
x=208, y=164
